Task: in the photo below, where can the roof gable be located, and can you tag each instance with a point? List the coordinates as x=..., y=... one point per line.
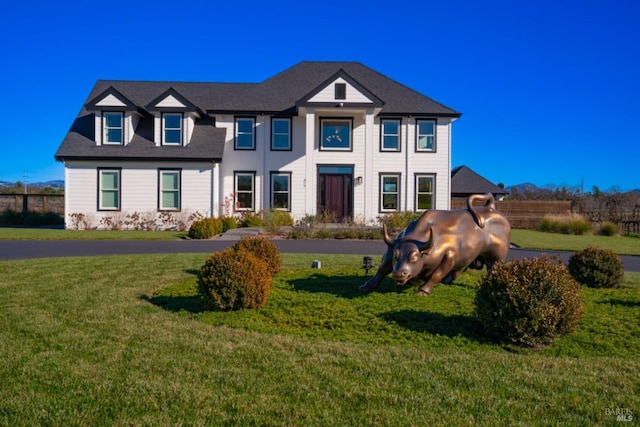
x=111, y=99
x=326, y=94
x=171, y=100
x=464, y=181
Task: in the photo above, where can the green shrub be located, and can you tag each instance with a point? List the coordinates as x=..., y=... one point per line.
x=597, y=268
x=205, y=228
x=529, y=302
x=250, y=219
x=564, y=224
x=234, y=280
x=608, y=229
x=398, y=220
x=30, y=219
x=229, y=223
x=262, y=249
x=273, y=220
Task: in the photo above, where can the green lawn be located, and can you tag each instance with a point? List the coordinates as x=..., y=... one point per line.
x=530, y=239
x=12, y=233
x=123, y=340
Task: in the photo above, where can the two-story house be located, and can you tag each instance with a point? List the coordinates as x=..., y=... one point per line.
x=319, y=136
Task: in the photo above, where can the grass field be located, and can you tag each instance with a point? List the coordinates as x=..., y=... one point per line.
x=123, y=340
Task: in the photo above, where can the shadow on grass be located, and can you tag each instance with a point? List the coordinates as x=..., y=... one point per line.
x=438, y=324
x=617, y=301
x=176, y=304
x=342, y=286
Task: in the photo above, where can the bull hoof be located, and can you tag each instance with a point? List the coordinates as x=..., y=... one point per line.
x=367, y=287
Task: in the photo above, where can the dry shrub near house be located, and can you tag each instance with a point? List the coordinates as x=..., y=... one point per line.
x=529, y=302
x=234, y=280
x=597, y=268
x=205, y=228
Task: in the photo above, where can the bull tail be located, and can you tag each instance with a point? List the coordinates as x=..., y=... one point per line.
x=490, y=203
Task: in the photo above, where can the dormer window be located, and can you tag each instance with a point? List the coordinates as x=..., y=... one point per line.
x=172, y=129
x=113, y=128
x=340, y=91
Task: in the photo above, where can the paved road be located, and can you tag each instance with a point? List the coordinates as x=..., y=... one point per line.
x=30, y=249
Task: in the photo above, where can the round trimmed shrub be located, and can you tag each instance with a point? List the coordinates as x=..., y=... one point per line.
x=234, y=280
x=205, y=228
x=597, y=268
x=529, y=302
x=263, y=249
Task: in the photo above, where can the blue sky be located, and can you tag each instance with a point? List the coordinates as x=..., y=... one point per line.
x=548, y=90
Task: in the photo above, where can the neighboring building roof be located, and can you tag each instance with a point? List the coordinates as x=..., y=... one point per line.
x=464, y=182
x=280, y=94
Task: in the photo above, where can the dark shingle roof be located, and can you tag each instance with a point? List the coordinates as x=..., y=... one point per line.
x=278, y=94
x=464, y=182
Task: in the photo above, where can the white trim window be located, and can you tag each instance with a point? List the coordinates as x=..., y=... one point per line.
x=425, y=185
x=113, y=126
x=244, y=185
x=172, y=129
x=245, y=133
x=390, y=135
x=389, y=192
x=109, y=189
x=169, y=190
x=280, y=134
x=425, y=135
x=335, y=134
x=281, y=191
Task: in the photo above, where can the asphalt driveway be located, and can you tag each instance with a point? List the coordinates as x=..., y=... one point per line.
x=30, y=249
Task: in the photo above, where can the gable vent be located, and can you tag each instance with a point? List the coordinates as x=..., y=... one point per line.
x=341, y=91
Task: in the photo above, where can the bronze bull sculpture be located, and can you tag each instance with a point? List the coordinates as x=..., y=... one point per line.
x=440, y=245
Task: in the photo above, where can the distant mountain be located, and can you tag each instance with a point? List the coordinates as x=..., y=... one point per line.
x=527, y=186
x=53, y=184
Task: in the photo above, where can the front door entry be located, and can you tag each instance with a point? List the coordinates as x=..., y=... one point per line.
x=336, y=192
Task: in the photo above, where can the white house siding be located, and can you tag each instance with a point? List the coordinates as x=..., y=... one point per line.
x=139, y=190
x=366, y=158
x=408, y=163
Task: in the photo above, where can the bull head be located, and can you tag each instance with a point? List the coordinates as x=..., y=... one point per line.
x=424, y=246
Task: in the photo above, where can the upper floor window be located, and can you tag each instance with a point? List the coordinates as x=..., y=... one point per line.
x=172, y=129
x=425, y=135
x=169, y=190
x=340, y=91
x=244, y=190
x=424, y=192
x=108, y=189
x=113, y=125
x=389, y=192
x=281, y=191
x=336, y=134
x=390, y=135
x=281, y=134
x=245, y=133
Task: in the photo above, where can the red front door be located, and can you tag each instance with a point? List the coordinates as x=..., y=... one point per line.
x=336, y=195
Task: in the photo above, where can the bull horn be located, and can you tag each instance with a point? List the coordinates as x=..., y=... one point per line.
x=426, y=246
x=385, y=234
